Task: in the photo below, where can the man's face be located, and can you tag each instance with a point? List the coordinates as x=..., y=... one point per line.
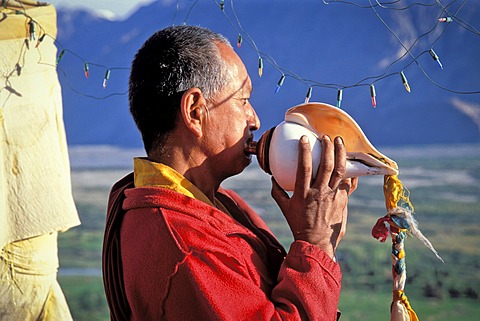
x=231, y=119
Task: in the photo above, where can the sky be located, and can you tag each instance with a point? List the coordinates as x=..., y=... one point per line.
x=113, y=9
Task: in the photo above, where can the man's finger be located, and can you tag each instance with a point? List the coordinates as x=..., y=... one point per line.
x=353, y=185
x=279, y=195
x=346, y=185
x=304, y=166
x=327, y=163
x=340, y=163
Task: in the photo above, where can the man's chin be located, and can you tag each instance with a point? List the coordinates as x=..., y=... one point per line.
x=246, y=161
x=248, y=157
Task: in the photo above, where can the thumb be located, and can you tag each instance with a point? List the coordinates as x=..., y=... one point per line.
x=279, y=195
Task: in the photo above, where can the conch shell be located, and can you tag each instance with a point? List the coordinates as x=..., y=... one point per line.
x=277, y=149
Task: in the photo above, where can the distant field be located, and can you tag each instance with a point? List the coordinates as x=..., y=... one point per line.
x=445, y=189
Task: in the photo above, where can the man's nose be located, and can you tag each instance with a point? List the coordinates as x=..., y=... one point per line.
x=254, y=121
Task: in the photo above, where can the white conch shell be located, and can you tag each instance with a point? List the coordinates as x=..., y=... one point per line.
x=316, y=120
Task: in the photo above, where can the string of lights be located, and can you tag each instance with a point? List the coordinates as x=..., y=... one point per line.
x=446, y=16
x=35, y=33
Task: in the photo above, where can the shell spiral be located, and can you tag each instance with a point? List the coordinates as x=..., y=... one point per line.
x=277, y=148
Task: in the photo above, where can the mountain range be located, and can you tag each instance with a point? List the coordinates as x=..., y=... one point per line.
x=325, y=45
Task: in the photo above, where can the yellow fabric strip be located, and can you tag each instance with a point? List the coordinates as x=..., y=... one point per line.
x=395, y=192
x=399, y=297
x=148, y=173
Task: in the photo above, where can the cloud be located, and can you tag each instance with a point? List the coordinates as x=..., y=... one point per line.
x=415, y=29
x=471, y=110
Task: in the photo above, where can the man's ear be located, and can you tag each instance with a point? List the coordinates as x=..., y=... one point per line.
x=192, y=108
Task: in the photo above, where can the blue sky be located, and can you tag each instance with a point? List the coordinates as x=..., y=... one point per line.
x=114, y=9
x=361, y=59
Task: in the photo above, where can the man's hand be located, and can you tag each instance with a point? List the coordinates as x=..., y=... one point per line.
x=317, y=211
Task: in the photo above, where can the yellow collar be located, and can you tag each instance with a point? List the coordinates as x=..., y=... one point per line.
x=148, y=173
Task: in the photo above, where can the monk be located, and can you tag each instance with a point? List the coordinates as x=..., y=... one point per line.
x=180, y=247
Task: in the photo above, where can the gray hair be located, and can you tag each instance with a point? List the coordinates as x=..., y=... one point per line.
x=170, y=62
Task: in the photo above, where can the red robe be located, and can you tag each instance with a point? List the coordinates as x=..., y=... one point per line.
x=168, y=256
